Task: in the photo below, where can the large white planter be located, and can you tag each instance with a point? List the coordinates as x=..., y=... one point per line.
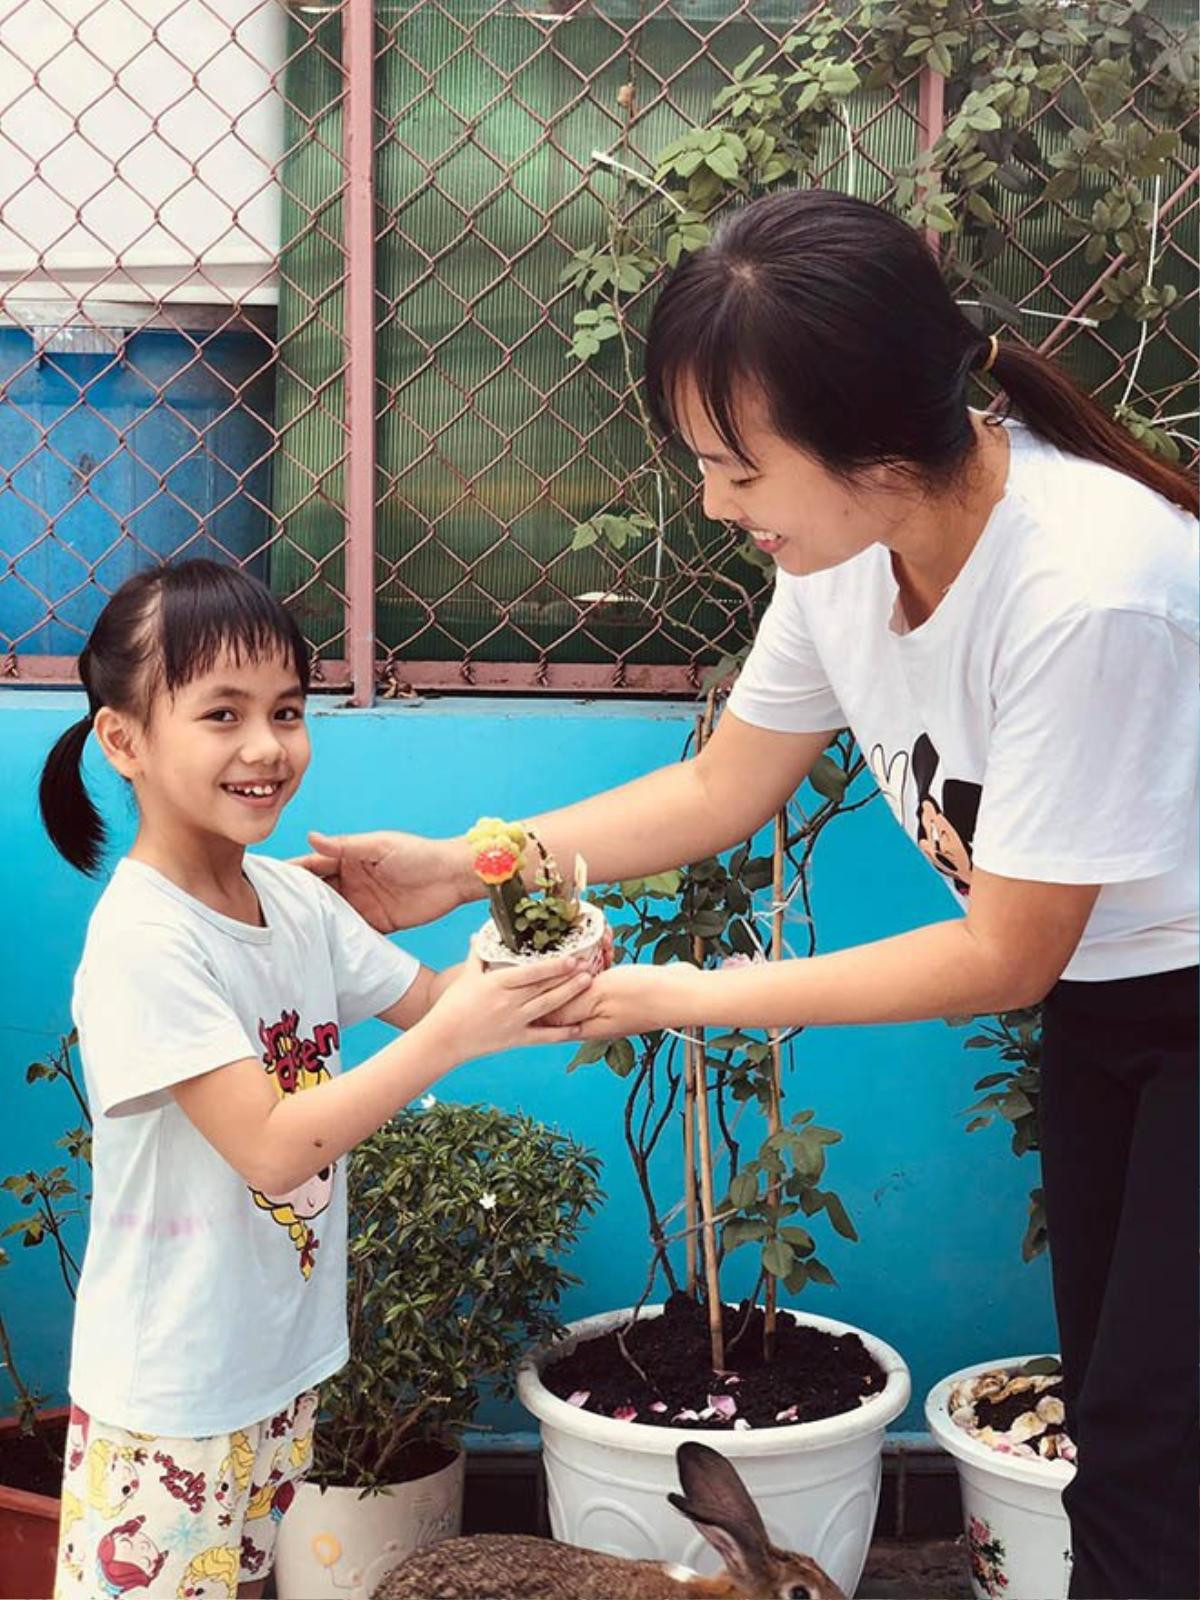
x=1017, y=1531
x=342, y=1542
x=815, y=1483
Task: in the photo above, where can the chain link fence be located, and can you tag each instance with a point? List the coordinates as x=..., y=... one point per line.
x=291, y=286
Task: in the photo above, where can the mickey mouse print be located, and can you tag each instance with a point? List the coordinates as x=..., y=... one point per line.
x=946, y=812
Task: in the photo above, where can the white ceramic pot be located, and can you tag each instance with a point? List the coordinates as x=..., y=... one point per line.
x=342, y=1542
x=815, y=1483
x=1017, y=1531
x=585, y=940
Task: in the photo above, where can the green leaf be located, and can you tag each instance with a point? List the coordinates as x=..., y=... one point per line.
x=723, y=163
x=730, y=1041
x=797, y=1278
x=778, y=1258
x=827, y=778
x=585, y=534
x=940, y=61
x=939, y=217
x=587, y=1053
x=839, y=1217
x=799, y=1238
x=619, y=1056
x=1041, y=1366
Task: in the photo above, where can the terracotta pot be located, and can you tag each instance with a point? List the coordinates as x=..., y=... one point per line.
x=28, y=1524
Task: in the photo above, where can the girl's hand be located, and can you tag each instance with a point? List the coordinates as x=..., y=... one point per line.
x=635, y=998
x=482, y=1012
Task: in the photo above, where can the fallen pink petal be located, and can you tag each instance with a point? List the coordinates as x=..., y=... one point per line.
x=625, y=1413
x=579, y=1398
x=723, y=1405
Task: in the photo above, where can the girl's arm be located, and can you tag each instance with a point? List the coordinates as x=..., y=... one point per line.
x=277, y=1143
x=1007, y=952
x=422, y=994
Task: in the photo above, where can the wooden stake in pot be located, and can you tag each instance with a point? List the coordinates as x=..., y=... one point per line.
x=698, y=1078
x=774, y=1116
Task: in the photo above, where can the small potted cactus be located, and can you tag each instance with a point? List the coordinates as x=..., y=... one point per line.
x=553, y=920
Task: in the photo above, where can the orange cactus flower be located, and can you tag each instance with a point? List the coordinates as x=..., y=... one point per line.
x=497, y=863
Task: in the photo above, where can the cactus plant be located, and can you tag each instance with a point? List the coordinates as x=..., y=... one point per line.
x=525, y=921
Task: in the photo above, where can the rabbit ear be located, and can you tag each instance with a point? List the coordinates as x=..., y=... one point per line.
x=715, y=1499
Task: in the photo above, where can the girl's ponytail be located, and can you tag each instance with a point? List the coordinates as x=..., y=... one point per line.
x=1054, y=409
x=71, y=819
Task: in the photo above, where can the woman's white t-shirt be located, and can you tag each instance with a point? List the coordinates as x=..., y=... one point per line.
x=1043, y=722
x=205, y=1306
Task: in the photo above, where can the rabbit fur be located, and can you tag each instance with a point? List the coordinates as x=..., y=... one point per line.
x=493, y=1566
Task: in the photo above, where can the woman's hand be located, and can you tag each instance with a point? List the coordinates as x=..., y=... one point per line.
x=394, y=880
x=635, y=998
x=483, y=1012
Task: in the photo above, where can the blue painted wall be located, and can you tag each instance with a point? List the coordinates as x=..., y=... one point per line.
x=937, y=1272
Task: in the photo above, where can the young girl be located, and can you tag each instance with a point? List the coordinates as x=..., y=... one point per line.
x=210, y=1003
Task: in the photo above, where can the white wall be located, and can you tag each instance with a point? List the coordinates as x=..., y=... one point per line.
x=139, y=164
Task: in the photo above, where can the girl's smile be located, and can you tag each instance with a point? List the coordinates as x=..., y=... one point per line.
x=258, y=795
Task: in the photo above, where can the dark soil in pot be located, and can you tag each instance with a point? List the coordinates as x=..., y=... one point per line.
x=34, y=1461
x=813, y=1374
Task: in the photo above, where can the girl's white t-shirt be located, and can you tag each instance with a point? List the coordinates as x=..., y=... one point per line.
x=1043, y=722
x=205, y=1306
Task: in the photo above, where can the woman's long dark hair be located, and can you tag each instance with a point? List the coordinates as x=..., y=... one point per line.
x=161, y=629
x=835, y=311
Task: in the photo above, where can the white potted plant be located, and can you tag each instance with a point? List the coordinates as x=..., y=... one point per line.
x=1004, y=1425
x=457, y=1216
x=799, y=1402
x=1002, y=1420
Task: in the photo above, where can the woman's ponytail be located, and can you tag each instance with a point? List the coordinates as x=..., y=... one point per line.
x=71, y=819
x=1054, y=409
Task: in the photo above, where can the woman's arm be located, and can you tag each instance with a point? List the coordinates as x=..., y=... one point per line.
x=683, y=812
x=1007, y=952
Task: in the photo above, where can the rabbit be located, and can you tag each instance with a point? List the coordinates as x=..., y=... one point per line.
x=511, y=1567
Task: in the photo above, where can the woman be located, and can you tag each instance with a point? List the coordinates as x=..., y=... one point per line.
x=1005, y=615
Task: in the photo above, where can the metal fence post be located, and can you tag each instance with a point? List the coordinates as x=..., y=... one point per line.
x=931, y=120
x=358, y=123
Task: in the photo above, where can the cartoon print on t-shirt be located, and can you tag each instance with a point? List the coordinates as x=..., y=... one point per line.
x=297, y=1064
x=891, y=776
x=945, y=831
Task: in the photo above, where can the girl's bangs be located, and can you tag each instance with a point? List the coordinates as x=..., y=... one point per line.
x=223, y=614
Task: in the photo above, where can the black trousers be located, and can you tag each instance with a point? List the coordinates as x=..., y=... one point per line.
x=1119, y=1163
